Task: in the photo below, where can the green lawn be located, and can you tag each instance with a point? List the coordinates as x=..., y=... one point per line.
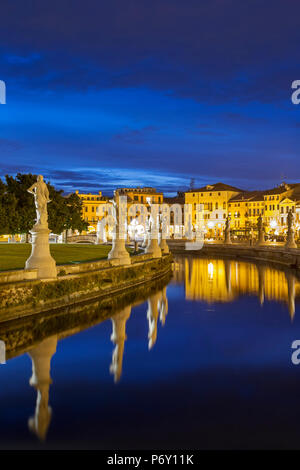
x=13, y=256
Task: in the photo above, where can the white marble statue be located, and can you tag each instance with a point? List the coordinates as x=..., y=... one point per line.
x=40, y=258
x=41, y=199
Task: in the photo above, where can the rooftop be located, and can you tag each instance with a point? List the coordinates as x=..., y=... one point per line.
x=215, y=187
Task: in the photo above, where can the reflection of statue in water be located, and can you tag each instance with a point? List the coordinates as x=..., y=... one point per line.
x=163, y=306
x=41, y=199
x=152, y=315
x=290, y=278
x=118, y=337
x=41, y=357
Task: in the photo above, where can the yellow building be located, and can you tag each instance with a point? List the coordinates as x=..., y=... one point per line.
x=244, y=210
x=90, y=203
x=141, y=195
x=278, y=202
x=215, y=199
x=146, y=196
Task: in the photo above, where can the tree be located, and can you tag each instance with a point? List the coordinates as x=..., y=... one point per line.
x=8, y=203
x=23, y=219
x=17, y=210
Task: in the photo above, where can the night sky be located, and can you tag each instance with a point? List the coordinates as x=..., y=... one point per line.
x=102, y=94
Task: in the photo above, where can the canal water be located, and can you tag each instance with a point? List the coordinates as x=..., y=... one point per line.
x=201, y=361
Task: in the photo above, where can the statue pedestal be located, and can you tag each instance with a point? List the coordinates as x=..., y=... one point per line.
x=164, y=246
x=227, y=240
x=40, y=257
x=261, y=239
x=290, y=241
x=153, y=248
x=119, y=252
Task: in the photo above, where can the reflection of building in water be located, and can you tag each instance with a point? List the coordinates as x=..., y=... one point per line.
x=178, y=272
x=118, y=337
x=222, y=281
x=41, y=357
x=206, y=280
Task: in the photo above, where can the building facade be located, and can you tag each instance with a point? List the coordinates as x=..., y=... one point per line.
x=244, y=208
x=90, y=204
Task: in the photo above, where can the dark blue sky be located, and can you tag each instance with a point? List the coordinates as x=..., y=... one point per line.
x=111, y=93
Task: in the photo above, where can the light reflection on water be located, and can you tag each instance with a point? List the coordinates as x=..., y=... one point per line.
x=161, y=367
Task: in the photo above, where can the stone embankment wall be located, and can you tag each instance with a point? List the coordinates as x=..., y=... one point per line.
x=272, y=254
x=75, y=283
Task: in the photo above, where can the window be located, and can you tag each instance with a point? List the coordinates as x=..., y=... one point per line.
x=224, y=205
x=217, y=206
x=217, y=216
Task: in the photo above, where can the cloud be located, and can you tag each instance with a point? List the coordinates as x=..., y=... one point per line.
x=136, y=136
x=216, y=51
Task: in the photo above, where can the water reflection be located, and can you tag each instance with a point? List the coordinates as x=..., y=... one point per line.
x=42, y=353
x=118, y=337
x=206, y=280
x=220, y=280
x=41, y=357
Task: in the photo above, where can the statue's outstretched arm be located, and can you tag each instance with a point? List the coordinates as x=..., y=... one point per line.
x=30, y=190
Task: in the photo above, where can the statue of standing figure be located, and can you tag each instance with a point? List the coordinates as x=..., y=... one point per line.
x=41, y=199
x=118, y=251
x=40, y=258
x=260, y=228
x=290, y=242
x=116, y=211
x=227, y=231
